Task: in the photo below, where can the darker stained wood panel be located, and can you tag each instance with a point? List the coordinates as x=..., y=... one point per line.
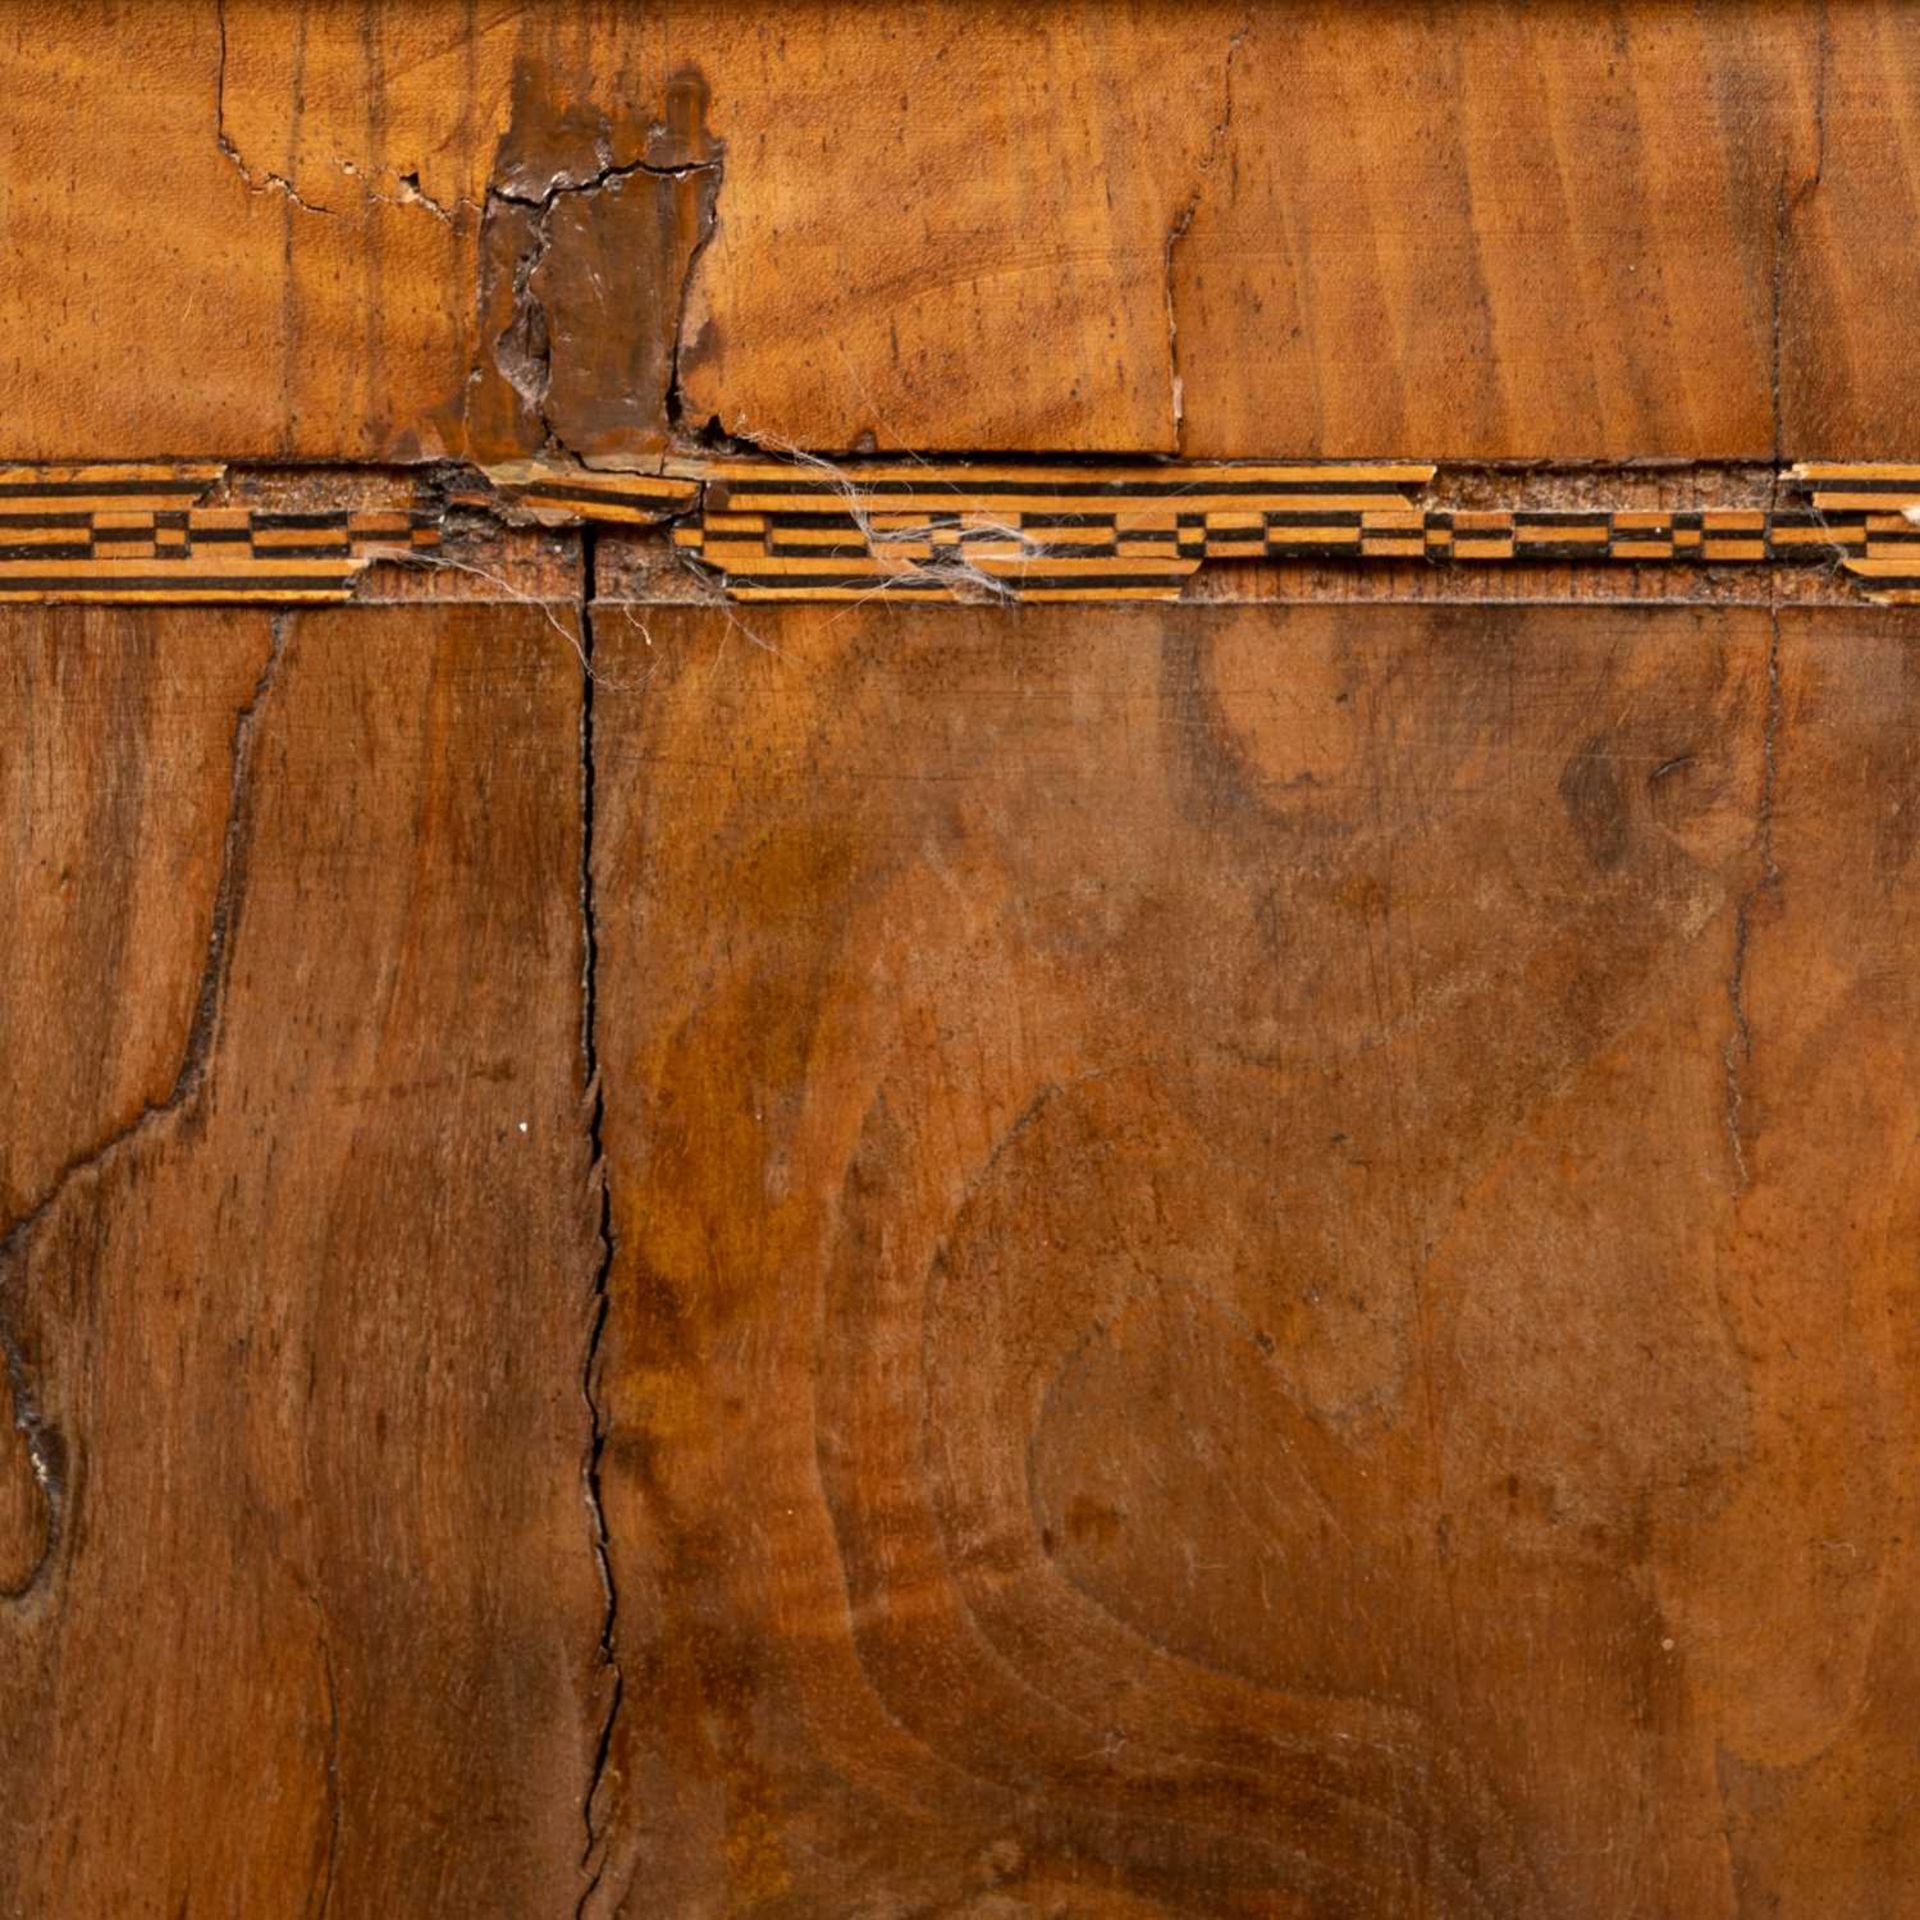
x=1262, y=1260
x=1485, y=232
x=319, y=1630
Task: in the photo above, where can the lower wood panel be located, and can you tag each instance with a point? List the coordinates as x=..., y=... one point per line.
x=1263, y=1260
x=299, y=1253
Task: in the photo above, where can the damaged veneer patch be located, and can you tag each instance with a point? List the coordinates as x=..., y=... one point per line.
x=593, y=226
x=560, y=496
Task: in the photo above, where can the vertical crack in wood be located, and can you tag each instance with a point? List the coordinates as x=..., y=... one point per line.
x=1781, y=209
x=711, y=176
x=1183, y=220
x=1738, y=1051
x=258, y=179
x=1786, y=203
x=590, y=1859
x=45, y=1444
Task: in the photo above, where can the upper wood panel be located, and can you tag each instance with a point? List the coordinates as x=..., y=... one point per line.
x=1485, y=230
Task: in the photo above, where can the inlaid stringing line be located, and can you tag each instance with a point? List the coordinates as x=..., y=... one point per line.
x=779, y=530
x=774, y=530
x=139, y=533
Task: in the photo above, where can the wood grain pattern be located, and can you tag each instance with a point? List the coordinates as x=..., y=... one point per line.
x=1314, y=231
x=669, y=1255
x=1504, y=230
x=112, y=864
x=299, y=1252
x=1261, y=1260
x=160, y=296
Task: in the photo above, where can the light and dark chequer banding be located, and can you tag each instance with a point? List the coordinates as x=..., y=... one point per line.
x=803, y=529
x=146, y=533
x=806, y=529
x=809, y=531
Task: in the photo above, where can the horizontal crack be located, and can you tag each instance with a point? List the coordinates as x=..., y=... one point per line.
x=259, y=180
x=604, y=178
x=409, y=192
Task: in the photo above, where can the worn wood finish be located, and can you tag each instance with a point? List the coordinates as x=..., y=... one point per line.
x=1262, y=1260
x=1287, y=232
x=300, y=1244
x=671, y=1257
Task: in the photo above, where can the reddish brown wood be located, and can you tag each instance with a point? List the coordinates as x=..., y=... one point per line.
x=1496, y=232
x=1260, y=1259
x=300, y=1258
x=1252, y=1257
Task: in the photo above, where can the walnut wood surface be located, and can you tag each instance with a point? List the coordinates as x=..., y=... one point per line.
x=299, y=1250
x=1263, y=1261
x=1260, y=1262
x=666, y=1257
x=1317, y=230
